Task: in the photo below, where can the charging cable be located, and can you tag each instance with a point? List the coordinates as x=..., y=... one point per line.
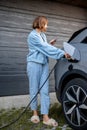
x=15, y=120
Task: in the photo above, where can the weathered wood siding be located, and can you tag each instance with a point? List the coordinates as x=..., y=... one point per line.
x=15, y=23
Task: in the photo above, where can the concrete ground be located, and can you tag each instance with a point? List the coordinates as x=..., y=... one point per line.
x=21, y=101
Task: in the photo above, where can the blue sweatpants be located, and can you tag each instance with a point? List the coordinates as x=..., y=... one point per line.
x=37, y=74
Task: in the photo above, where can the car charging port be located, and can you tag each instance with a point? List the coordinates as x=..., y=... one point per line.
x=73, y=60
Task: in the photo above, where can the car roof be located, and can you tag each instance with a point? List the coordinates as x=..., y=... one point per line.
x=78, y=36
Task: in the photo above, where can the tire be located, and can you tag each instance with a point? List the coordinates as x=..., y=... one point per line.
x=74, y=103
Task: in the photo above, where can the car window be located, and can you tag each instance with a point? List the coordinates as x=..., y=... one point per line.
x=84, y=40
x=79, y=36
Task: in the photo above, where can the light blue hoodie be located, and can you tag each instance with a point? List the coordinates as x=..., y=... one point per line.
x=40, y=50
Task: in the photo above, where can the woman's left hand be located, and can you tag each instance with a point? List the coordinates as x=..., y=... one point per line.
x=53, y=41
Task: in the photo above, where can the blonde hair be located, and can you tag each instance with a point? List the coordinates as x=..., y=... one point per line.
x=39, y=22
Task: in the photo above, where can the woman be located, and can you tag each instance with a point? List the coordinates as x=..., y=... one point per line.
x=38, y=69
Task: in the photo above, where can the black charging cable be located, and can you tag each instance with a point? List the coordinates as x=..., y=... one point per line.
x=15, y=120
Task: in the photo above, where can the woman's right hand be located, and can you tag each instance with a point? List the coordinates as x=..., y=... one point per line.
x=67, y=56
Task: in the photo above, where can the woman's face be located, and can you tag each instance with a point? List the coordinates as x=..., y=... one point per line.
x=45, y=28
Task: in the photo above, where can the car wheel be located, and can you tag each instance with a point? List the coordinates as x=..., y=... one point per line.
x=74, y=103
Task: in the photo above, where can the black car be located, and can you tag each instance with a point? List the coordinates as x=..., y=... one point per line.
x=71, y=82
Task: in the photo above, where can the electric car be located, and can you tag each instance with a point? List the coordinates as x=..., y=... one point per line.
x=71, y=82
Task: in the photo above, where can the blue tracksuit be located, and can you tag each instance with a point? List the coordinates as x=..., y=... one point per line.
x=38, y=69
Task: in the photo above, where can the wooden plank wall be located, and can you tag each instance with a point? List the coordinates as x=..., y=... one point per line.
x=15, y=23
